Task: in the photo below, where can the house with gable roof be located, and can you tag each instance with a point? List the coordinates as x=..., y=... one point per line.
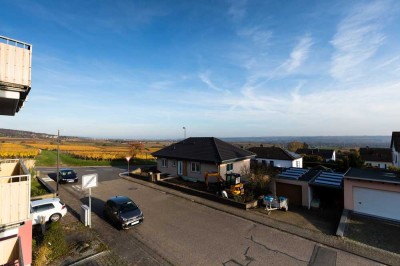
x=277, y=157
x=194, y=157
x=395, y=147
x=326, y=154
x=377, y=157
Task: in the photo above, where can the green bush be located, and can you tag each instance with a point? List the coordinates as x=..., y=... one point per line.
x=36, y=188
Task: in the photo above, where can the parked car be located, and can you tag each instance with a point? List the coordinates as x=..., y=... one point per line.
x=51, y=209
x=123, y=212
x=67, y=176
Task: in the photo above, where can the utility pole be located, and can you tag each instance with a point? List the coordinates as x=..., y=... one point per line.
x=58, y=158
x=184, y=132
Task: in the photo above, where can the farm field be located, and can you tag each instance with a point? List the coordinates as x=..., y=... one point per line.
x=80, y=152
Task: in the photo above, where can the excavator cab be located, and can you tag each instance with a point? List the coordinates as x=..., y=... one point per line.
x=233, y=183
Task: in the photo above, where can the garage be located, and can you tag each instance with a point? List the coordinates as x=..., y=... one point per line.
x=292, y=192
x=377, y=202
x=374, y=192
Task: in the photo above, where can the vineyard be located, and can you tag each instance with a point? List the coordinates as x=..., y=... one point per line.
x=81, y=150
x=15, y=150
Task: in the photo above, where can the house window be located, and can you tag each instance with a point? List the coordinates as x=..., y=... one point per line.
x=195, y=166
x=229, y=167
x=164, y=163
x=174, y=163
x=297, y=164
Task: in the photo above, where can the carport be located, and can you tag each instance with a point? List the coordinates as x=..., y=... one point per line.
x=327, y=187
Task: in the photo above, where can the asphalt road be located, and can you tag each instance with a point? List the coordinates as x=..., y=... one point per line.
x=181, y=232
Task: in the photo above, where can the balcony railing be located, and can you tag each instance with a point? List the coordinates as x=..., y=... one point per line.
x=15, y=192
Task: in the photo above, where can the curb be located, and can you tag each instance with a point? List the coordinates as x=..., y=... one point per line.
x=48, y=188
x=353, y=247
x=342, y=224
x=89, y=257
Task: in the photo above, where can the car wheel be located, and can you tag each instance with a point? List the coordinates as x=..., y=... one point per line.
x=55, y=217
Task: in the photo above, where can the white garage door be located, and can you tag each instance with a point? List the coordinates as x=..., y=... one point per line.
x=377, y=202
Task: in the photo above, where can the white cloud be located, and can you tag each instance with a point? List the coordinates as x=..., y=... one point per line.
x=298, y=55
x=357, y=39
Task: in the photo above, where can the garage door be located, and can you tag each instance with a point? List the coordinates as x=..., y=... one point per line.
x=377, y=202
x=292, y=192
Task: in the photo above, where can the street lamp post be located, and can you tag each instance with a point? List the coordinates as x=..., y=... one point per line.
x=58, y=158
x=128, y=158
x=184, y=132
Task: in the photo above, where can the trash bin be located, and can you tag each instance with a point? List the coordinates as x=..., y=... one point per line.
x=85, y=214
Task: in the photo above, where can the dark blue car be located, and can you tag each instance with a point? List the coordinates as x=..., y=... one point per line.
x=123, y=212
x=67, y=176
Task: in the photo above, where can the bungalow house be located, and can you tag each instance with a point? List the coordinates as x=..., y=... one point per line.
x=377, y=157
x=277, y=157
x=326, y=154
x=374, y=192
x=303, y=186
x=194, y=157
x=395, y=147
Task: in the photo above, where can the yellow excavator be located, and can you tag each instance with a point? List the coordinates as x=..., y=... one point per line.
x=232, y=183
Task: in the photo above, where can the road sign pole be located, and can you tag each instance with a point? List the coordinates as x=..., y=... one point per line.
x=90, y=208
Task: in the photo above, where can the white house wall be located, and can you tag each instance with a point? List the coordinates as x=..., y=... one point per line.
x=382, y=165
x=169, y=169
x=204, y=167
x=282, y=163
x=395, y=157
x=237, y=167
x=298, y=163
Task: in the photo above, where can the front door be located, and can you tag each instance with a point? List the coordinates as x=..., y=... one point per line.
x=180, y=168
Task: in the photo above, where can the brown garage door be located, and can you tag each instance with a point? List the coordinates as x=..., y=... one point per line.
x=292, y=192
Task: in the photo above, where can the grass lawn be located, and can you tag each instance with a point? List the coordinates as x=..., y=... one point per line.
x=49, y=158
x=46, y=158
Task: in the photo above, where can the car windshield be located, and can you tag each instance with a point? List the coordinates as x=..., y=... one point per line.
x=128, y=206
x=67, y=172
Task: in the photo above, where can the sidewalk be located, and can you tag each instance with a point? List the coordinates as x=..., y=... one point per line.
x=353, y=247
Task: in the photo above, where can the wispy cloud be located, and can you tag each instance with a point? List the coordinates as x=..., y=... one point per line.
x=205, y=78
x=298, y=55
x=237, y=9
x=357, y=39
x=259, y=36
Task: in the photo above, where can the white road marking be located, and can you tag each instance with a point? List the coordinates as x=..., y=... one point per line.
x=47, y=179
x=76, y=187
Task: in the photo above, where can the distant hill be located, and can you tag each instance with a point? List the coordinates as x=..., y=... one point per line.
x=11, y=133
x=313, y=141
x=321, y=141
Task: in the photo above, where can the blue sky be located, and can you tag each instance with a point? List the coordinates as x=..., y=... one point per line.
x=145, y=69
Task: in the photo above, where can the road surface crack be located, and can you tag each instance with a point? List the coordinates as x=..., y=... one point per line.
x=248, y=260
x=275, y=250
